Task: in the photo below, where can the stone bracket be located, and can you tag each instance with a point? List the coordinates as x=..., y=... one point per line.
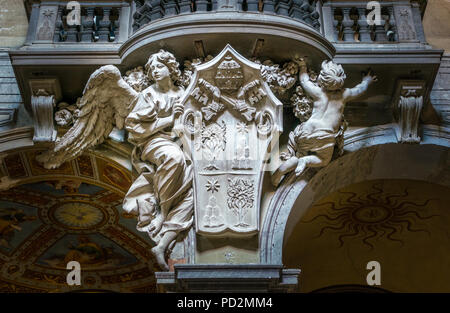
x=228, y=278
x=44, y=130
x=407, y=107
x=45, y=93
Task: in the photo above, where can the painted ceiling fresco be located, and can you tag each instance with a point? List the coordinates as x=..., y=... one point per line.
x=402, y=224
x=70, y=214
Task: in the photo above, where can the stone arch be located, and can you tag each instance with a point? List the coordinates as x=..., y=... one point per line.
x=378, y=161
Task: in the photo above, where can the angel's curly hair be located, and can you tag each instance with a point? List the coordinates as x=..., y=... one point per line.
x=168, y=59
x=331, y=76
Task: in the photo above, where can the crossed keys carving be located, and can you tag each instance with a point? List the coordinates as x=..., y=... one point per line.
x=213, y=101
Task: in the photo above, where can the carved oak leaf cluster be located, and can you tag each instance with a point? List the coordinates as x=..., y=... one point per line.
x=189, y=67
x=279, y=79
x=240, y=197
x=301, y=102
x=137, y=79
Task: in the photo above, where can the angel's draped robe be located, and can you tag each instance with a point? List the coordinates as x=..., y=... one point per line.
x=165, y=171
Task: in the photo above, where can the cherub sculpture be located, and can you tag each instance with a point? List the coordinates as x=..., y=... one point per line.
x=312, y=143
x=162, y=196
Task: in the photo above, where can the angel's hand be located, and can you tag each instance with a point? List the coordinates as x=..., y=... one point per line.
x=369, y=77
x=209, y=88
x=178, y=109
x=300, y=61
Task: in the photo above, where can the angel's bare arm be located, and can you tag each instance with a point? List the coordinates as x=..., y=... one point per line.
x=360, y=89
x=311, y=89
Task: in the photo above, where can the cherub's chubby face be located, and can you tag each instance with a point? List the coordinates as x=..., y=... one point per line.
x=159, y=71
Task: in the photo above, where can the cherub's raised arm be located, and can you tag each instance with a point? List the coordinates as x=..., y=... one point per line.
x=360, y=89
x=310, y=88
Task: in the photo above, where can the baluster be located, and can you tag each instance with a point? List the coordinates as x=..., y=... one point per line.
x=171, y=8
x=96, y=26
x=214, y=5
x=304, y=8
x=185, y=6
x=393, y=24
x=114, y=24
x=201, y=5
x=295, y=11
x=364, y=31
x=347, y=24
x=71, y=29
x=269, y=6
x=143, y=15
x=61, y=34
x=137, y=16
x=88, y=24
x=354, y=16
x=310, y=15
x=337, y=23
x=98, y=15
x=380, y=33
x=252, y=5
x=282, y=7
x=314, y=15
x=157, y=10
x=240, y=4
x=71, y=32
x=79, y=29
x=104, y=23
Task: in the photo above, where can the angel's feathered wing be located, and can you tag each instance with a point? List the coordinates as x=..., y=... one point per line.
x=107, y=100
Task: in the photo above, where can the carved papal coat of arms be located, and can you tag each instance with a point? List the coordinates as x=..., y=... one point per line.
x=230, y=120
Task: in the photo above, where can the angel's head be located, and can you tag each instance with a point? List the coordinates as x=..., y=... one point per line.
x=331, y=76
x=161, y=65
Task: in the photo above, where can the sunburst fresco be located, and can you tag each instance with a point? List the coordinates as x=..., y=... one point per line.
x=371, y=216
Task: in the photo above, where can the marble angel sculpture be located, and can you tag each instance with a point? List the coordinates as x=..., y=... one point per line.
x=312, y=142
x=162, y=196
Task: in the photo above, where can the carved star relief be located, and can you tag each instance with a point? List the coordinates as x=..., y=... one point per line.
x=242, y=128
x=212, y=185
x=48, y=13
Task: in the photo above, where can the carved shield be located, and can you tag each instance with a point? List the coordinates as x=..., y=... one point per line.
x=230, y=120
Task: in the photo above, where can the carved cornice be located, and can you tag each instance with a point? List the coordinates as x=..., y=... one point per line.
x=227, y=23
x=235, y=278
x=7, y=116
x=360, y=138
x=16, y=138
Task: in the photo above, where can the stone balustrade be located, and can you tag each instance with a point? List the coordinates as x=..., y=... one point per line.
x=351, y=25
x=98, y=24
x=148, y=11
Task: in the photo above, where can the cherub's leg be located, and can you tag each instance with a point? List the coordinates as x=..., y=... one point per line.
x=314, y=160
x=159, y=251
x=283, y=169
